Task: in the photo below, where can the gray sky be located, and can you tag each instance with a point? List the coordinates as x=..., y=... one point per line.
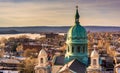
x=59, y=12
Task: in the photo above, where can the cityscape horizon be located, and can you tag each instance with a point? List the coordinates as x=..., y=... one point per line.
x=55, y=36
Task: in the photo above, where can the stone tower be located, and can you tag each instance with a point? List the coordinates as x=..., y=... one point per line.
x=42, y=66
x=94, y=65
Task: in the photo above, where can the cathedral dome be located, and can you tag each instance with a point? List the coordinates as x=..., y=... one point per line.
x=42, y=52
x=76, y=42
x=77, y=33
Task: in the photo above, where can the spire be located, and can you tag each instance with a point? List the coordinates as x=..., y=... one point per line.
x=94, y=52
x=77, y=15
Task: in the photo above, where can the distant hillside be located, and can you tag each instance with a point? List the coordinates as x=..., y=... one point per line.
x=37, y=29
x=9, y=32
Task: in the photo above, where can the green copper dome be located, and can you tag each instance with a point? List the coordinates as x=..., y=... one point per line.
x=77, y=33
x=76, y=43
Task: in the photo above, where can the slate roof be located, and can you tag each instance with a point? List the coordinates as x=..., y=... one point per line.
x=75, y=66
x=59, y=60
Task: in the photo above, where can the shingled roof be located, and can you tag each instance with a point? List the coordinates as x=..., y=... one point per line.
x=75, y=66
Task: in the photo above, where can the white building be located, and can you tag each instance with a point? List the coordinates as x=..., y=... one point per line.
x=42, y=66
x=94, y=65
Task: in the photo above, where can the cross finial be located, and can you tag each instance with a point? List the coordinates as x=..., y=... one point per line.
x=77, y=15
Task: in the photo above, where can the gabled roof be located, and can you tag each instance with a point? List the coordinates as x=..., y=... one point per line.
x=75, y=66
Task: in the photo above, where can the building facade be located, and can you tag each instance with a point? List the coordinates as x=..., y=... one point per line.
x=75, y=59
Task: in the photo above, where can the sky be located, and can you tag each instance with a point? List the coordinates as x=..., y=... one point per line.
x=18, y=13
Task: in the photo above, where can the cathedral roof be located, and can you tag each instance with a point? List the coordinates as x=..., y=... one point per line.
x=77, y=33
x=75, y=66
x=59, y=60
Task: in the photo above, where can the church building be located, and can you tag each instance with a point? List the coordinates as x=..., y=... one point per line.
x=75, y=59
x=43, y=64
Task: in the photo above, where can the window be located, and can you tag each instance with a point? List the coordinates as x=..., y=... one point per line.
x=41, y=60
x=83, y=49
x=78, y=49
x=68, y=49
x=94, y=61
x=72, y=49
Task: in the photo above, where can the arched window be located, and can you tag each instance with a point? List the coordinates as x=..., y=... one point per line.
x=83, y=49
x=68, y=49
x=41, y=60
x=72, y=49
x=94, y=61
x=78, y=49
